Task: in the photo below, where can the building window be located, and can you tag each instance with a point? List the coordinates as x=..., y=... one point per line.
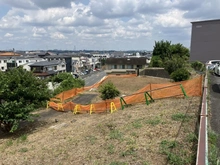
x=130, y=67
x=27, y=61
x=5, y=61
x=63, y=66
x=19, y=61
x=55, y=68
x=2, y=68
x=123, y=66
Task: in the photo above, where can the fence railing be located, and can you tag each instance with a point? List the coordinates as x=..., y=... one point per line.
x=202, y=149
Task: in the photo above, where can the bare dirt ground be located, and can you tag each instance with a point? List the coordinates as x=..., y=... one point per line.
x=137, y=135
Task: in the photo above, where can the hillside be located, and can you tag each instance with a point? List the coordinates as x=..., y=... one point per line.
x=139, y=134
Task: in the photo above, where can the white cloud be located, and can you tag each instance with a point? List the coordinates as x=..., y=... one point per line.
x=172, y=18
x=105, y=24
x=8, y=35
x=38, y=32
x=57, y=35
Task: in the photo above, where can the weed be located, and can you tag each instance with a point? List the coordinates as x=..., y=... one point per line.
x=191, y=137
x=111, y=149
x=23, y=150
x=22, y=138
x=115, y=134
x=153, y=122
x=130, y=151
x=181, y=117
x=166, y=146
x=213, y=150
x=176, y=159
x=137, y=124
x=92, y=139
x=173, y=153
x=9, y=143
x=131, y=141
x=134, y=134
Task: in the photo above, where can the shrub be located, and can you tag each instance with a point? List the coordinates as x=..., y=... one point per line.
x=198, y=66
x=68, y=84
x=174, y=64
x=108, y=91
x=180, y=75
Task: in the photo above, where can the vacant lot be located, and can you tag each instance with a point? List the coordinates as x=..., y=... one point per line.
x=160, y=133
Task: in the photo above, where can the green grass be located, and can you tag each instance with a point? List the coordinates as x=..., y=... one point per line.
x=115, y=134
x=181, y=117
x=213, y=149
x=175, y=153
x=22, y=138
x=137, y=124
x=91, y=139
x=111, y=149
x=153, y=122
x=23, y=150
x=191, y=137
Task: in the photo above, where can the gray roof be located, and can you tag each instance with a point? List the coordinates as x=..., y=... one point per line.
x=47, y=63
x=205, y=21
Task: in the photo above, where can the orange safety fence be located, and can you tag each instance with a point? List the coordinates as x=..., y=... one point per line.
x=191, y=87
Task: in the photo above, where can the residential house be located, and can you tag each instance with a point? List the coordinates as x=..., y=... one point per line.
x=66, y=58
x=44, y=69
x=32, y=60
x=125, y=65
x=205, y=39
x=3, y=63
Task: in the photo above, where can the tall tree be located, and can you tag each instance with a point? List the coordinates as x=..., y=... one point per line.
x=162, y=49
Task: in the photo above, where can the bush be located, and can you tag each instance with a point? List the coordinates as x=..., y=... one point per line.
x=174, y=64
x=180, y=75
x=108, y=91
x=68, y=84
x=198, y=66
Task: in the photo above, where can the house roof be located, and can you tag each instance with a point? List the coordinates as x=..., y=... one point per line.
x=127, y=61
x=9, y=54
x=205, y=21
x=47, y=63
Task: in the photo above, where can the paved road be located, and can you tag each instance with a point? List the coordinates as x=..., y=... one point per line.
x=214, y=88
x=94, y=77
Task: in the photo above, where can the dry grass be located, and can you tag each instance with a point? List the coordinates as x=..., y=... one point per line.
x=136, y=135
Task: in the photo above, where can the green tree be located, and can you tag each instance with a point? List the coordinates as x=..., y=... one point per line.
x=108, y=91
x=156, y=61
x=67, y=82
x=20, y=94
x=162, y=49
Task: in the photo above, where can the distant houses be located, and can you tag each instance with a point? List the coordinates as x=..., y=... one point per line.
x=44, y=64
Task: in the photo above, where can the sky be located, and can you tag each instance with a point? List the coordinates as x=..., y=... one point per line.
x=100, y=24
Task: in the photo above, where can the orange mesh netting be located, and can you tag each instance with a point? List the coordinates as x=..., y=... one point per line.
x=191, y=87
